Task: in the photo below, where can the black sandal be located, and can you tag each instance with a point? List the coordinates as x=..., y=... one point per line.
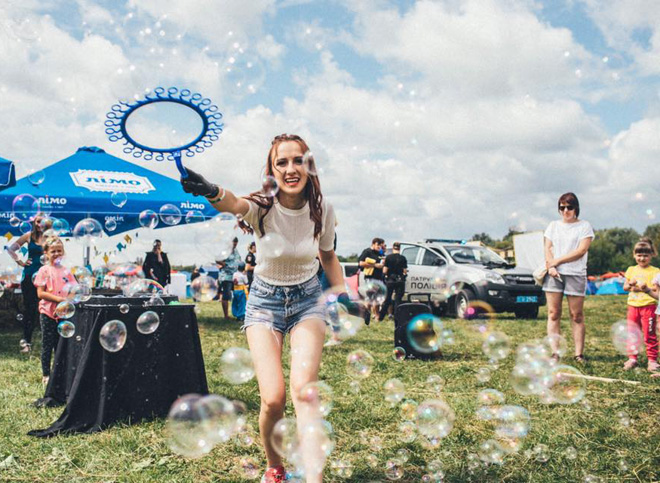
x=580, y=359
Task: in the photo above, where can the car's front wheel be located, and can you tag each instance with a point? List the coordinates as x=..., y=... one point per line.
x=462, y=301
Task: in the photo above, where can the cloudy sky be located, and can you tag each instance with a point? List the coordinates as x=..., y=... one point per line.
x=427, y=118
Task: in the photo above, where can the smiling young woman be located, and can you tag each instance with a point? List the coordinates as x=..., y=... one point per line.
x=567, y=244
x=285, y=296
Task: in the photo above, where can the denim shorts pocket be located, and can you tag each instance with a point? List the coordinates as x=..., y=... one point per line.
x=261, y=291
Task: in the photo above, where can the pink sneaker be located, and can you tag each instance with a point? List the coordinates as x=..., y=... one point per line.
x=630, y=365
x=653, y=366
x=275, y=474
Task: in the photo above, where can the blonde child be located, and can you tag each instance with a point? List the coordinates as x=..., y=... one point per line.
x=642, y=306
x=53, y=282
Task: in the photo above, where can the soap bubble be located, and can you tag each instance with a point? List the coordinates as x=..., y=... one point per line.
x=373, y=291
x=250, y=468
x=394, y=391
x=496, y=346
x=236, y=365
x=435, y=383
x=571, y=453
x=483, y=375
x=194, y=216
x=64, y=310
x=490, y=397
x=359, y=364
x=423, y=333
x=269, y=186
x=204, y=288
x=110, y=224
x=627, y=338
x=170, y=214
x=490, y=451
x=541, y=453
x=341, y=468
x=555, y=344
x=142, y=286
x=408, y=409
x=118, y=199
x=512, y=422
x=87, y=228
x=435, y=418
x=77, y=293
x=124, y=308
x=25, y=207
x=14, y=221
x=113, y=335
x=399, y=354
x=309, y=163
x=148, y=322
x=25, y=227
x=272, y=245
x=187, y=434
x=318, y=395
x=284, y=438
x=36, y=177
x=566, y=387
x=531, y=378
x=394, y=470
x=66, y=329
x=220, y=418
x=407, y=431
x=148, y=219
x=60, y=227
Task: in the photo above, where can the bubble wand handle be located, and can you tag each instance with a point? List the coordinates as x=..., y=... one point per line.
x=595, y=378
x=179, y=165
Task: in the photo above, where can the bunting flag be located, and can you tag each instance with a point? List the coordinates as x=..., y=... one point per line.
x=136, y=234
x=128, y=238
x=8, y=236
x=120, y=246
x=106, y=258
x=24, y=250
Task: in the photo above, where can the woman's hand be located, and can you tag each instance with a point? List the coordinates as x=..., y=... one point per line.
x=24, y=263
x=550, y=264
x=197, y=185
x=552, y=271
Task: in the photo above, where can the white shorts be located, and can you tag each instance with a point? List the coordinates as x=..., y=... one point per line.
x=575, y=285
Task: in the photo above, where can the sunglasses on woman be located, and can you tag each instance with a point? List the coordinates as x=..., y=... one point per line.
x=566, y=207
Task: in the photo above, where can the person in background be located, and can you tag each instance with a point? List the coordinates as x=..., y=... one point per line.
x=35, y=240
x=227, y=268
x=53, y=281
x=567, y=242
x=195, y=273
x=156, y=265
x=642, y=306
x=369, y=262
x=251, y=262
x=395, y=269
x=239, y=297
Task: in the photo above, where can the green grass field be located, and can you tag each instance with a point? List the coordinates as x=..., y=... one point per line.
x=140, y=452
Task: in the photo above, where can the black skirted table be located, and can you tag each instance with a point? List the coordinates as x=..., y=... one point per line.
x=139, y=382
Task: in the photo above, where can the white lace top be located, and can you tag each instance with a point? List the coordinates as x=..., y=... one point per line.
x=286, y=254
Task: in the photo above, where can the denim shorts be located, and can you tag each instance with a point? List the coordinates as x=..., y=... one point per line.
x=283, y=307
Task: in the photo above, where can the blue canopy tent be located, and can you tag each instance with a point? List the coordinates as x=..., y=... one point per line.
x=81, y=186
x=7, y=174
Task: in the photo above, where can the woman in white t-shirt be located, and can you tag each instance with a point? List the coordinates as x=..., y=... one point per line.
x=286, y=295
x=567, y=243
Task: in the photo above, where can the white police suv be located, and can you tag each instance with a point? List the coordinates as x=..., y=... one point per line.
x=475, y=273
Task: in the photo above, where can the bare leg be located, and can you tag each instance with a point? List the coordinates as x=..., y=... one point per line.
x=575, y=308
x=306, y=347
x=554, y=313
x=225, y=308
x=266, y=349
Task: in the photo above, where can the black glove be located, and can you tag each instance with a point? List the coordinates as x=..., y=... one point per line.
x=353, y=308
x=196, y=184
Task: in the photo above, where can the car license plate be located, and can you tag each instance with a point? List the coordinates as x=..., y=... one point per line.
x=526, y=299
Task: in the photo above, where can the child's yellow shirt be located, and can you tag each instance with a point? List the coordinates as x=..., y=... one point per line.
x=642, y=276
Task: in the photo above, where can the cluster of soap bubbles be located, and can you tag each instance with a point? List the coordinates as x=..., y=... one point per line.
x=195, y=424
x=537, y=372
x=427, y=334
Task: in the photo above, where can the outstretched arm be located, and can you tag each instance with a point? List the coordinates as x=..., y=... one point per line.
x=222, y=199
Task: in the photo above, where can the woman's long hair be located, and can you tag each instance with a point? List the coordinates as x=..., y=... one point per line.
x=312, y=192
x=40, y=224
